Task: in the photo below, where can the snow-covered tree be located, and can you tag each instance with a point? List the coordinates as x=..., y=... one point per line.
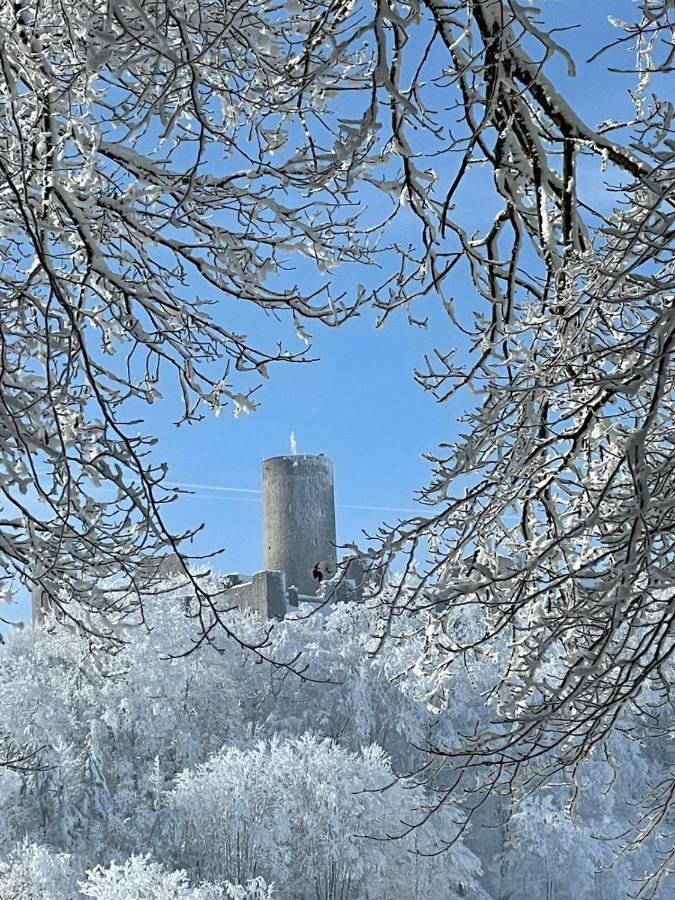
x=208, y=763
x=315, y=819
x=552, y=512
x=32, y=872
x=225, y=770
x=156, y=156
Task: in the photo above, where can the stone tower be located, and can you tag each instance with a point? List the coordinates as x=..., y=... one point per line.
x=299, y=517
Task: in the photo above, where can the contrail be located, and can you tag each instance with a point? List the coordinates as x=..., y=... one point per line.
x=238, y=490
x=380, y=508
x=214, y=487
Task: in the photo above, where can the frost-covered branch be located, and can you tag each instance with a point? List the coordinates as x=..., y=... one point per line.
x=154, y=173
x=551, y=516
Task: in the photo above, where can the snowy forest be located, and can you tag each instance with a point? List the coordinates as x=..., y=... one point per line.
x=220, y=775
x=191, y=189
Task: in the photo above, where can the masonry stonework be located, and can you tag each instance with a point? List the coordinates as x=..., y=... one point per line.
x=299, y=518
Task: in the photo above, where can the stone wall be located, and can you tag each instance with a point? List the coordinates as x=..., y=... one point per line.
x=298, y=518
x=265, y=593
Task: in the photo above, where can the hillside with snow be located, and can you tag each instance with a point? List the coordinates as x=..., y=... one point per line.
x=161, y=773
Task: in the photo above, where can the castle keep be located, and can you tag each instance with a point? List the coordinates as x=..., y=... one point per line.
x=299, y=544
x=299, y=541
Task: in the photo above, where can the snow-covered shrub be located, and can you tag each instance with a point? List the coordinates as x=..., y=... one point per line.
x=32, y=872
x=113, y=731
x=254, y=889
x=139, y=878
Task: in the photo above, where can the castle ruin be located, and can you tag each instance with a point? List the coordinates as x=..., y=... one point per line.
x=299, y=545
x=299, y=541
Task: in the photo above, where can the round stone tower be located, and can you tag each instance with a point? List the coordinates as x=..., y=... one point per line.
x=299, y=518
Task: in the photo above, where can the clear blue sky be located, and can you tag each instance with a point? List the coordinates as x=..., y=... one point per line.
x=358, y=404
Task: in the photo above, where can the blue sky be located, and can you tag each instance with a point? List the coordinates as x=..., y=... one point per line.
x=358, y=403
